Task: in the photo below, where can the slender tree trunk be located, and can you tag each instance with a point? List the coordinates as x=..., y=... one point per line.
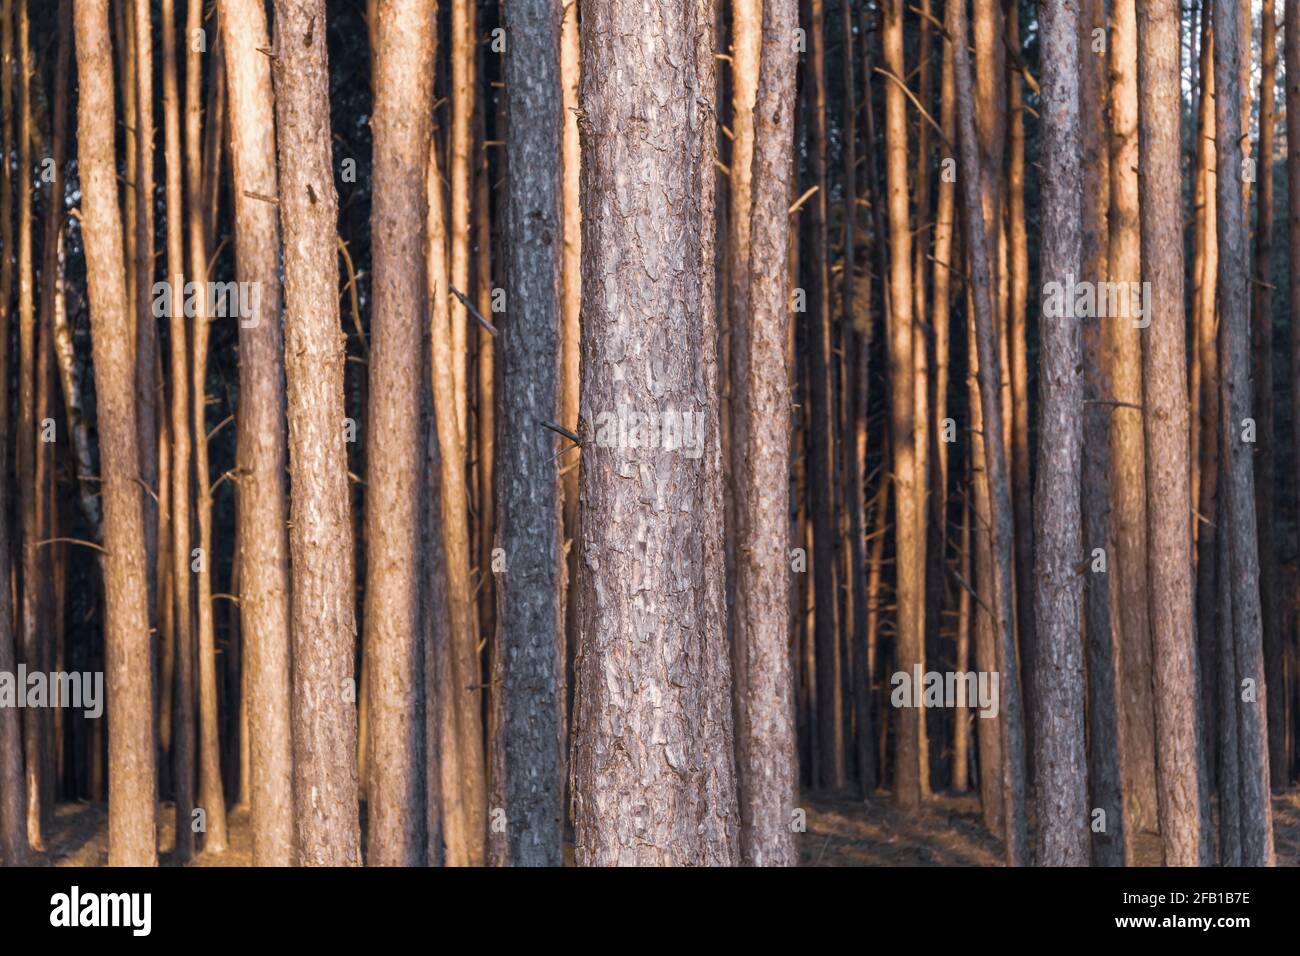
x=146, y=323
x=130, y=674
x=261, y=527
x=1239, y=487
x=910, y=766
x=1164, y=380
x=463, y=776
x=403, y=68
x=830, y=724
x=1015, y=835
x=13, y=833
x=657, y=785
x=1122, y=351
x=211, y=797
x=463, y=51
x=1262, y=330
x=765, y=744
x=531, y=732
x=320, y=538
x=1062, y=781
x=1292, y=73
x=1105, y=791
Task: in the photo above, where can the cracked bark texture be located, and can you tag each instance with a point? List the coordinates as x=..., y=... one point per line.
x=529, y=763
x=653, y=772
x=320, y=533
x=765, y=744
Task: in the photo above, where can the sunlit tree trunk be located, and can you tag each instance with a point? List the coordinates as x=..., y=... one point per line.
x=320, y=533
x=403, y=69
x=131, y=832
x=1164, y=381
x=261, y=528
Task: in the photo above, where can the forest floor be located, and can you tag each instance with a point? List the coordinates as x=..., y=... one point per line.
x=947, y=831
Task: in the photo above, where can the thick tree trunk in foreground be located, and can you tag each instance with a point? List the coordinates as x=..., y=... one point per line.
x=653, y=772
x=130, y=673
x=320, y=539
x=531, y=731
x=262, y=532
x=1164, y=374
x=765, y=745
x=1292, y=43
x=403, y=66
x=1238, y=470
x=1015, y=823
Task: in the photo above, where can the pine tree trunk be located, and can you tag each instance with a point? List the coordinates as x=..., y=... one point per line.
x=1239, y=484
x=765, y=743
x=320, y=538
x=652, y=783
x=1262, y=333
x=403, y=70
x=1061, y=785
x=910, y=765
x=261, y=528
x=129, y=671
x=1164, y=380
x=531, y=732
x=1014, y=817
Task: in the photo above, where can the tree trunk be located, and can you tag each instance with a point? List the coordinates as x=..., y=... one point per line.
x=261, y=530
x=911, y=770
x=531, y=732
x=765, y=744
x=463, y=778
x=1015, y=824
x=1262, y=330
x=1061, y=783
x=403, y=69
x=1241, y=540
x=320, y=539
x=126, y=626
x=1164, y=380
x=652, y=784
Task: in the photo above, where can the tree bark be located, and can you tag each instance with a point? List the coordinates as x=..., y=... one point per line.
x=403, y=70
x=1164, y=380
x=130, y=674
x=1015, y=825
x=765, y=744
x=261, y=528
x=531, y=733
x=320, y=539
x=653, y=772
x=1239, y=486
